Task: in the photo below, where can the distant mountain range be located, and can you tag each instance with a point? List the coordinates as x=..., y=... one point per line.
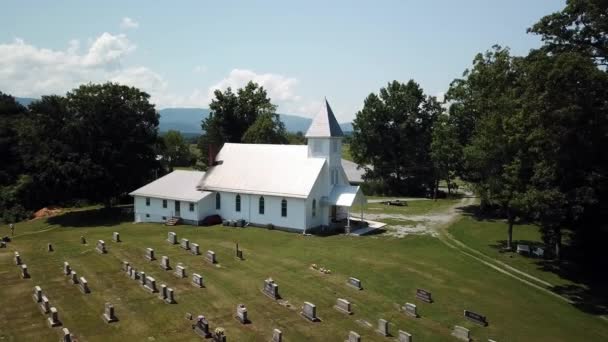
x=188, y=120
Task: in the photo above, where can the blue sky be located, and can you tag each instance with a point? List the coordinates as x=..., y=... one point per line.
x=301, y=51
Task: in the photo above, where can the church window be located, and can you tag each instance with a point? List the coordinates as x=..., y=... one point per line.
x=314, y=207
x=218, y=201
x=238, y=203
x=284, y=208
x=261, y=205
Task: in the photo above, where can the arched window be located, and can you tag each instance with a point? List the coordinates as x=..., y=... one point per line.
x=238, y=203
x=284, y=208
x=261, y=205
x=218, y=201
x=314, y=207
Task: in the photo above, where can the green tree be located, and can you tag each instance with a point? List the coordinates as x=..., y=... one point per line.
x=565, y=101
x=393, y=134
x=267, y=129
x=446, y=151
x=582, y=26
x=231, y=115
x=484, y=107
x=176, y=150
x=118, y=129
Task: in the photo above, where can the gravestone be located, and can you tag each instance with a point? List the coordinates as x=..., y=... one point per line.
x=195, y=249
x=101, y=247
x=24, y=273
x=201, y=327
x=2, y=244
x=355, y=283
x=241, y=314
x=188, y=316
x=239, y=253
x=353, y=337
x=172, y=238
x=164, y=263
x=218, y=335
x=45, y=306
x=170, y=296
x=162, y=293
x=180, y=271
x=134, y=275
x=461, y=333
x=17, y=258
x=67, y=270
x=108, y=314
x=83, y=240
x=84, y=286
x=74, y=277
x=405, y=337
x=410, y=309
x=343, y=306
x=197, y=280
x=277, y=336
x=67, y=337
x=271, y=289
x=210, y=256
x=125, y=265
x=129, y=271
x=150, y=254
x=37, y=294
x=115, y=237
x=150, y=284
x=49, y=247
x=424, y=295
x=53, y=320
x=476, y=318
x=383, y=327
x=185, y=243
x=309, y=311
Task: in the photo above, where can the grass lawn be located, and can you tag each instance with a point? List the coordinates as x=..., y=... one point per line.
x=489, y=236
x=419, y=207
x=391, y=269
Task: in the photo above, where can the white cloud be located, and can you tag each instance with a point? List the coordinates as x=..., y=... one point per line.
x=28, y=70
x=128, y=23
x=32, y=71
x=279, y=87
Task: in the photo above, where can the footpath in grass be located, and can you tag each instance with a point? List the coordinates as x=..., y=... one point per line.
x=391, y=270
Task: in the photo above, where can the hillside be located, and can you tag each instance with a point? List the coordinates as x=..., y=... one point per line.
x=188, y=120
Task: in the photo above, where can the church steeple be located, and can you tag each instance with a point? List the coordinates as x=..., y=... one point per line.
x=324, y=125
x=325, y=141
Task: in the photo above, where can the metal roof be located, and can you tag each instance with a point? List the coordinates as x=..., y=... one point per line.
x=178, y=185
x=324, y=125
x=346, y=196
x=354, y=172
x=278, y=170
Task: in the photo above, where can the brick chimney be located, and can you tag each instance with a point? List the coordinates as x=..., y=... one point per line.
x=212, y=154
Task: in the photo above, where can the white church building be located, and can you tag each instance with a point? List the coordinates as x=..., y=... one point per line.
x=291, y=187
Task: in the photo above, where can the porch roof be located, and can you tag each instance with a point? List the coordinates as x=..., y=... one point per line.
x=346, y=196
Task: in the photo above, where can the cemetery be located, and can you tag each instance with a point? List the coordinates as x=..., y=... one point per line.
x=379, y=289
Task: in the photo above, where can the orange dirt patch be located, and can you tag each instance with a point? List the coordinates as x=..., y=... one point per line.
x=47, y=212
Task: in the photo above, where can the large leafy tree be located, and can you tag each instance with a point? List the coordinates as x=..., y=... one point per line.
x=118, y=130
x=565, y=100
x=446, y=151
x=582, y=26
x=231, y=116
x=393, y=134
x=176, y=150
x=484, y=108
x=267, y=129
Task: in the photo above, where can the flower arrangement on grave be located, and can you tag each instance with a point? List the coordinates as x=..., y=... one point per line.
x=320, y=269
x=313, y=266
x=270, y=280
x=219, y=331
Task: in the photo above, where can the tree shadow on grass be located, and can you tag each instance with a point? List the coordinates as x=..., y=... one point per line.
x=104, y=217
x=588, y=292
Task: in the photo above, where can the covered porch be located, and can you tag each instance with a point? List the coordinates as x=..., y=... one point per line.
x=341, y=202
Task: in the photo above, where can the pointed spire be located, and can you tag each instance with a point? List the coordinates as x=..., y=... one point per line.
x=324, y=125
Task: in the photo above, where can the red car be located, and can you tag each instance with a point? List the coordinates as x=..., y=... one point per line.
x=211, y=220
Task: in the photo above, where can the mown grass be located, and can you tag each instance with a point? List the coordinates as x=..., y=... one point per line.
x=391, y=269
